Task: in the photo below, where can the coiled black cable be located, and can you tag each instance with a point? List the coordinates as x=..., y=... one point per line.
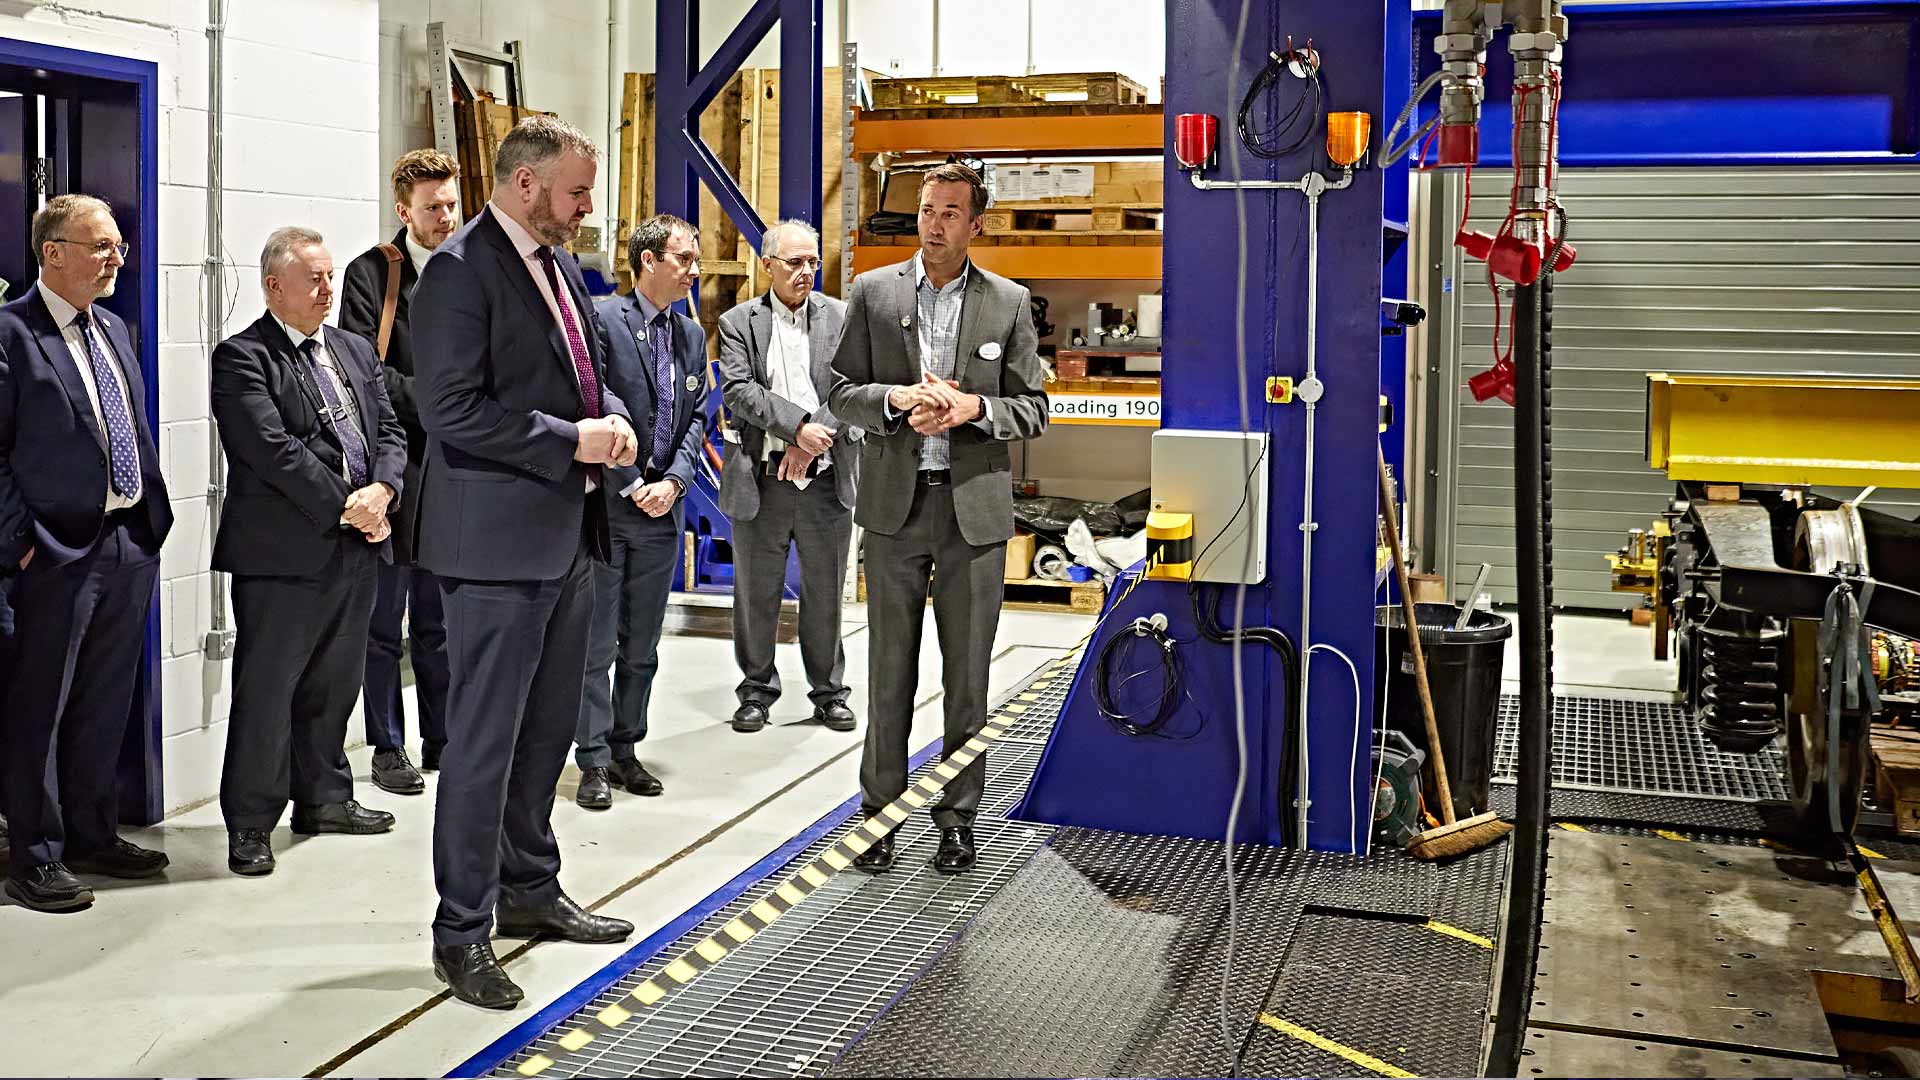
x=1258, y=142
x=1206, y=619
x=1105, y=684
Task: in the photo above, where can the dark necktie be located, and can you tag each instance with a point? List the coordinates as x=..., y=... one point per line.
x=122, y=450
x=576, y=343
x=660, y=339
x=351, y=443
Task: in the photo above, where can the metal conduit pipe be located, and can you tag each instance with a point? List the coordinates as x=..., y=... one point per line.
x=219, y=641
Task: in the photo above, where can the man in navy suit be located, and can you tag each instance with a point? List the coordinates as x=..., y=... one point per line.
x=316, y=457
x=83, y=512
x=522, y=430
x=657, y=362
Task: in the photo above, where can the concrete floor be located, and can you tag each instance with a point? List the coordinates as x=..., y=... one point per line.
x=324, y=965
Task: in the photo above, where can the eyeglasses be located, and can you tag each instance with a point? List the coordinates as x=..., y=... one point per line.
x=809, y=263
x=101, y=249
x=688, y=259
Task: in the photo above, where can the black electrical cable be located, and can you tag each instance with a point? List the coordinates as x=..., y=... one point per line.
x=1309, y=100
x=1104, y=685
x=1533, y=539
x=1206, y=619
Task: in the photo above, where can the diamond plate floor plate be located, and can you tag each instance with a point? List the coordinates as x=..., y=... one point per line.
x=1567, y=1053
x=786, y=1002
x=1639, y=747
x=1698, y=942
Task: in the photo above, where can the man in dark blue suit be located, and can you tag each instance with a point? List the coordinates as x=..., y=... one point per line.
x=521, y=432
x=83, y=512
x=316, y=458
x=657, y=362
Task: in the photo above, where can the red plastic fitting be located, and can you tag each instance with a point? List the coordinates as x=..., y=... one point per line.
x=1459, y=145
x=1496, y=381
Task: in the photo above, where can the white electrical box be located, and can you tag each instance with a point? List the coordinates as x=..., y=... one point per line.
x=1220, y=477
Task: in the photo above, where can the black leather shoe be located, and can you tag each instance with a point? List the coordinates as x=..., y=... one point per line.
x=593, y=793
x=430, y=756
x=634, y=776
x=877, y=859
x=393, y=772
x=835, y=716
x=956, y=850
x=749, y=717
x=49, y=887
x=341, y=817
x=122, y=860
x=250, y=851
x=475, y=976
x=563, y=919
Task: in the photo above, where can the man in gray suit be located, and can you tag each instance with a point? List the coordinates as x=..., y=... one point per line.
x=788, y=479
x=938, y=364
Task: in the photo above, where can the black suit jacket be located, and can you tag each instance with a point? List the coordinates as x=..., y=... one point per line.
x=53, y=455
x=630, y=370
x=363, y=293
x=502, y=498
x=285, y=488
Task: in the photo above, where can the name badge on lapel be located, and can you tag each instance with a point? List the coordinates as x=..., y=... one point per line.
x=693, y=383
x=990, y=351
x=906, y=322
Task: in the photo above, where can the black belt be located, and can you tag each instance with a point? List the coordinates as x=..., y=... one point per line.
x=936, y=477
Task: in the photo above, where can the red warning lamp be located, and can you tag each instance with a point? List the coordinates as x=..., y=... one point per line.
x=1196, y=137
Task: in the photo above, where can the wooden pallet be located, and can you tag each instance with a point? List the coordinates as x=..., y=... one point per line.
x=478, y=128
x=1076, y=220
x=1896, y=760
x=1039, y=594
x=1031, y=239
x=1104, y=366
x=989, y=91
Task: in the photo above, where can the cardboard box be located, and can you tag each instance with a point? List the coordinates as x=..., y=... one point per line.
x=1020, y=551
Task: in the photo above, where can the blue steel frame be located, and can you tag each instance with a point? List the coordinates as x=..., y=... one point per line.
x=141, y=798
x=683, y=88
x=1093, y=775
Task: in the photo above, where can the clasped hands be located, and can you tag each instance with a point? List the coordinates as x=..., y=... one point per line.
x=607, y=441
x=936, y=404
x=810, y=441
x=366, y=510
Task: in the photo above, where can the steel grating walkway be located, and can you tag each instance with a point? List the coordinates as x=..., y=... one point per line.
x=1642, y=748
x=786, y=1002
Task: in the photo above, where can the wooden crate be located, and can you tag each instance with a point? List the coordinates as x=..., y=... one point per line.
x=1896, y=759
x=987, y=91
x=1079, y=220
x=1129, y=185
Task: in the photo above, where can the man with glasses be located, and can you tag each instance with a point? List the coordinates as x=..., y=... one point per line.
x=656, y=362
x=83, y=512
x=789, y=478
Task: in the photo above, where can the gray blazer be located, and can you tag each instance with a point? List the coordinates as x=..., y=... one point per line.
x=881, y=350
x=746, y=339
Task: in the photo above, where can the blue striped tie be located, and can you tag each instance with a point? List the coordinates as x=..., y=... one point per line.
x=121, y=447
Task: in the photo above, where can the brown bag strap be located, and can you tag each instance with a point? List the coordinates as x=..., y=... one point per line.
x=392, y=304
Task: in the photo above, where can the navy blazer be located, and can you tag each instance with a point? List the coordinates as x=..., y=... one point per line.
x=285, y=482
x=53, y=455
x=630, y=370
x=501, y=497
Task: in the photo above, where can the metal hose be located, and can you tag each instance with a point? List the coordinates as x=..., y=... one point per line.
x=1533, y=538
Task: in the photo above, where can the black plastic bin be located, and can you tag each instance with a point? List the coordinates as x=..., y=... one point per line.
x=1463, y=673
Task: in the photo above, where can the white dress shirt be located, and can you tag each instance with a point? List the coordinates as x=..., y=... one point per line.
x=790, y=370
x=528, y=249
x=63, y=316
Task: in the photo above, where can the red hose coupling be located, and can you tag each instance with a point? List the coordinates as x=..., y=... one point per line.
x=1459, y=145
x=1511, y=257
x=1496, y=381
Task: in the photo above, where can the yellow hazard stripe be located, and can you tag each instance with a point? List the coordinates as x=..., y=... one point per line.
x=1669, y=834
x=1868, y=852
x=1439, y=927
x=1570, y=826
x=1341, y=1050
x=785, y=896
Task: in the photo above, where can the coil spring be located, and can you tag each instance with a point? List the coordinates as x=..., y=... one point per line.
x=1741, y=704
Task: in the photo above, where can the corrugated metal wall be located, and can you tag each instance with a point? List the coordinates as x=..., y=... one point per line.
x=1702, y=270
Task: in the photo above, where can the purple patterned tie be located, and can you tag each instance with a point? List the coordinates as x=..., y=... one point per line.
x=351, y=442
x=660, y=339
x=576, y=344
x=121, y=448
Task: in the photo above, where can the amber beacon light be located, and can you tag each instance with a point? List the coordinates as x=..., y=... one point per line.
x=1347, y=136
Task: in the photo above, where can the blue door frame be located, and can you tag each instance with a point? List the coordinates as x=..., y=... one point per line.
x=122, y=97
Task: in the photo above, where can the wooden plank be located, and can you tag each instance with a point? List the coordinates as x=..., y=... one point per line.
x=985, y=91
x=1127, y=128
x=1053, y=262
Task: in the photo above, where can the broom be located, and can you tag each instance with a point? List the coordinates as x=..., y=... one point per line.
x=1453, y=837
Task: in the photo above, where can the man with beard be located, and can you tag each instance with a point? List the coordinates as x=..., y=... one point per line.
x=83, y=512
x=521, y=431
x=376, y=300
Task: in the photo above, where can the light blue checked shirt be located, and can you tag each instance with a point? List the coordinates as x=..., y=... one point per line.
x=938, y=328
